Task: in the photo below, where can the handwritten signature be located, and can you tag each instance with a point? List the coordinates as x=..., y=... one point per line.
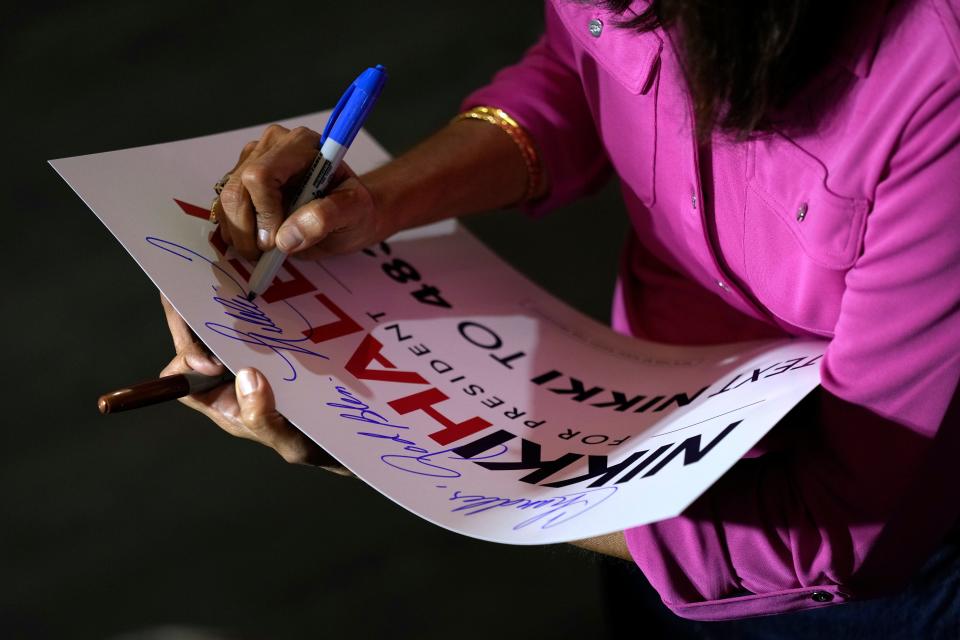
x=266, y=333
x=418, y=460
x=548, y=512
x=555, y=510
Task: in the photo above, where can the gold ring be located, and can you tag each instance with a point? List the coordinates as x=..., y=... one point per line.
x=218, y=187
x=213, y=210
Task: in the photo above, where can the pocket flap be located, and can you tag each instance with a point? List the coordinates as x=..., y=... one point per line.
x=828, y=226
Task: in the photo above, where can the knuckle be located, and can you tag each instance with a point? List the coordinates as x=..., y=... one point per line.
x=256, y=174
x=177, y=365
x=266, y=218
x=350, y=198
x=230, y=195
x=249, y=147
x=303, y=133
x=253, y=420
x=312, y=220
x=273, y=130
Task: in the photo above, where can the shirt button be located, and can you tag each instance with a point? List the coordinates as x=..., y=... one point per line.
x=693, y=200
x=723, y=285
x=802, y=212
x=821, y=596
x=596, y=27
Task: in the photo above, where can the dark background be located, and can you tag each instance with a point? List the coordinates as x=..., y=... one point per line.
x=117, y=526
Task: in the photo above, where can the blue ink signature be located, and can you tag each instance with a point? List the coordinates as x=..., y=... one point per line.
x=356, y=409
x=556, y=509
x=267, y=334
x=549, y=512
x=418, y=461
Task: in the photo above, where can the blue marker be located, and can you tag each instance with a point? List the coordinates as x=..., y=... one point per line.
x=342, y=127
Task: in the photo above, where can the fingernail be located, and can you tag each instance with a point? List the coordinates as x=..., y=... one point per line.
x=289, y=238
x=197, y=361
x=263, y=237
x=215, y=360
x=247, y=382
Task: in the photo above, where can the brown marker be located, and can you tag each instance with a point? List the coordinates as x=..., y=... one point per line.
x=161, y=390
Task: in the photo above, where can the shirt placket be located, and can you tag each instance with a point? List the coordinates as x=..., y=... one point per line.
x=701, y=221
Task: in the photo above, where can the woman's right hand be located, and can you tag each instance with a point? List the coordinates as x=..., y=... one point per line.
x=253, y=201
x=466, y=167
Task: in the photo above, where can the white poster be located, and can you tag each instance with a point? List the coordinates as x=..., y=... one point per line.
x=441, y=376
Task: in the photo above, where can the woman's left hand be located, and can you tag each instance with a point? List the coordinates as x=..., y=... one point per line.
x=245, y=409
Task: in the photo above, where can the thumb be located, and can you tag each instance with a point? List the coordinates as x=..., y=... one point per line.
x=345, y=207
x=265, y=424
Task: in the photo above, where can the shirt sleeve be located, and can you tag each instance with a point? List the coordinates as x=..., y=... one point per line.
x=868, y=490
x=544, y=94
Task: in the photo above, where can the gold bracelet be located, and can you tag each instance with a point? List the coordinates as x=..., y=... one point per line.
x=520, y=137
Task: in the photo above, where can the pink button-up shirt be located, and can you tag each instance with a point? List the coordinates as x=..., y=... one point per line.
x=849, y=230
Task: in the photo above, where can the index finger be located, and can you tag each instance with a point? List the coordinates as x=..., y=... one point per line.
x=180, y=331
x=191, y=353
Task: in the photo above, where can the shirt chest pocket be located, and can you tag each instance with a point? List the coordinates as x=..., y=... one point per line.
x=800, y=237
x=619, y=69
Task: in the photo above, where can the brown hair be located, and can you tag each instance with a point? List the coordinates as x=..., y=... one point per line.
x=746, y=59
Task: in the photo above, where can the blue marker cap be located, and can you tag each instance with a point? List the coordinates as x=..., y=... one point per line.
x=354, y=106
